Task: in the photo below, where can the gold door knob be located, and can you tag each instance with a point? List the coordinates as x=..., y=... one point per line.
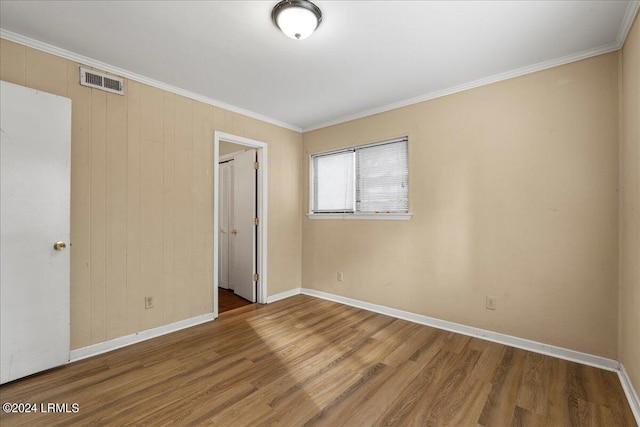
x=58, y=246
x=234, y=231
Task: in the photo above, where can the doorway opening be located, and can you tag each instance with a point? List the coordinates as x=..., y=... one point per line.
x=238, y=178
x=240, y=222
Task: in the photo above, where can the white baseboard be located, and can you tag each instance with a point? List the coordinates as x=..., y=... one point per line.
x=537, y=347
x=283, y=295
x=632, y=396
x=106, y=346
x=103, y=347
x=534, y=346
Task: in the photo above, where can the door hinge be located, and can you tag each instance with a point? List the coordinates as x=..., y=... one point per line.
x=256, y=165
x=256, y=277
x=256, y=221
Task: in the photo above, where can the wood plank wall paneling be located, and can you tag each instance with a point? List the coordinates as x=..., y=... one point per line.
x=45, y=72
x=168, y=195
x=183, y=207
x=201, y=223
x=142, y=198
x=116, y=217
x=134, y=296
x=98, y=214
x=12, y=63
x=80, y=208
x=151, y=130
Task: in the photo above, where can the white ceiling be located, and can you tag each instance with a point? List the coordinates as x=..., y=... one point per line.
x=366, y=56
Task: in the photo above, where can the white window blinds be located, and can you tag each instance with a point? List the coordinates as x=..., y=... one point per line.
x=333, y=182
x=382, y=178
x=366, y=179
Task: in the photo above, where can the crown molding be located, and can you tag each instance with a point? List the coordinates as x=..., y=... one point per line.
x=627, y=22
x=471, y=85
x=91, y=62
x=625, y=27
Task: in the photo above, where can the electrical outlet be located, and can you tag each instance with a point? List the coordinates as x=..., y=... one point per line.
x=491, y=303
x=148, y=302
x=340, y=276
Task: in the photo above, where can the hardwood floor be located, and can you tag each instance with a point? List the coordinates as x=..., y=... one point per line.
x=307, y=361
x=228, y=300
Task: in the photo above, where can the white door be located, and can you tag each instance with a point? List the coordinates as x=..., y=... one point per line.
x=225, y=224
x=34, y=194
x=243, y=234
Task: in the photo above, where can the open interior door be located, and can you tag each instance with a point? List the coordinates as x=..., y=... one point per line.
x=35, y=140
x=243, y=234
x=225, y=243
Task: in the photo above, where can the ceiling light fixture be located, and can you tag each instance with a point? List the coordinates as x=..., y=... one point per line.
x=297, y=19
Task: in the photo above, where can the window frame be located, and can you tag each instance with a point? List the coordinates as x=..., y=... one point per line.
x=402, y=216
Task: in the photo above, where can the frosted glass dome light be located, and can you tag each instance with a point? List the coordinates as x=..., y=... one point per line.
x=297, y=19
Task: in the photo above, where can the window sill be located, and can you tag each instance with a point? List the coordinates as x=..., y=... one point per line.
x=384, y=216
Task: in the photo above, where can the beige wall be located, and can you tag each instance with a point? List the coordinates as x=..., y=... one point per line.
x=629, y=334
x=228, y=148
x=512, y=187
x=513, y=190
x=142, y=199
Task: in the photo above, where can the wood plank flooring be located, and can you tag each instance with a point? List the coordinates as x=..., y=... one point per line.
x=307, y=361
x=228, y=300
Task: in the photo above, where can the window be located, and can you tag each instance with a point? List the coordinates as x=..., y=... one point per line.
x=365, y=181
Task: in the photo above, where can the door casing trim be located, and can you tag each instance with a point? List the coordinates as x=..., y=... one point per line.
x=262, y=192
